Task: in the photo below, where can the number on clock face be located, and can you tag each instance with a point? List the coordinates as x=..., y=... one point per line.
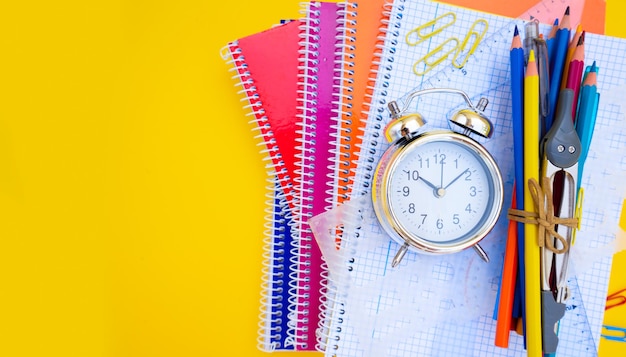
x=440, y=191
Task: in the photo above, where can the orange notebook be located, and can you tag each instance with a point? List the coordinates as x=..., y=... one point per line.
x=365, y=27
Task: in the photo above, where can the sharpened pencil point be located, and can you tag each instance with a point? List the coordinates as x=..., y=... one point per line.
x=593, y=67
x=567, y=10
x=516, y=31
x=581, y=39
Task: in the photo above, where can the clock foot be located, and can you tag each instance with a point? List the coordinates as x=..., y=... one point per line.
x=399, y=255
x=481, y=252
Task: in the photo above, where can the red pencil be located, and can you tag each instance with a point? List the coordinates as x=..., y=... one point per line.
x=507, y=286
x=575, y=72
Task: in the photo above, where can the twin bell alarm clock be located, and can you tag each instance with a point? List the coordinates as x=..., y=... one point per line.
x=438, y=191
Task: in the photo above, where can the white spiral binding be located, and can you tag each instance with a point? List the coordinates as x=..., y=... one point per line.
x=273, y=242
x=344, y=63
x=379, y=76
x=307, y=79
x=330, y=330
x=269, y=335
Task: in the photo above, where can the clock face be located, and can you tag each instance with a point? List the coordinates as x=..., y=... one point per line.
x=443, y=191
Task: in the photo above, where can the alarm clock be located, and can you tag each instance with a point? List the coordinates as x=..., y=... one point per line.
x=438, y=191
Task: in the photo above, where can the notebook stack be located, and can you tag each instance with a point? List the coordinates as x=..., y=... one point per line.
x=317, y=90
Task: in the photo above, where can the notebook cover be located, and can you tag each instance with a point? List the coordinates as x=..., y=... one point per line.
x=320, y=68
x=270, y=58
x=365, y=22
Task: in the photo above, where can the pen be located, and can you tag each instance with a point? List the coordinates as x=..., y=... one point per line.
x=532, y=259
x=534, y=41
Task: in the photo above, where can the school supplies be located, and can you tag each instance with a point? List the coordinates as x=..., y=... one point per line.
x=614, y=333
x=379, y=311
x=616, y=299
x=444, y=306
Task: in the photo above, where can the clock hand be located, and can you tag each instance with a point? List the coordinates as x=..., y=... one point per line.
x=456, y=178
x=437, y=191
x=430, y=184
x=441, y=185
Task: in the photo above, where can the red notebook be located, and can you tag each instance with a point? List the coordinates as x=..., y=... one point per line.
x=266, y=68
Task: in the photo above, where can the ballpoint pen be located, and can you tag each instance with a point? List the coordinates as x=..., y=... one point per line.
x=534, y=41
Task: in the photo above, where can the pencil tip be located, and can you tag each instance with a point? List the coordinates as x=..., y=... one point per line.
x=567, y=10
x=556, y=22
x=593, y=67
x=516, y=33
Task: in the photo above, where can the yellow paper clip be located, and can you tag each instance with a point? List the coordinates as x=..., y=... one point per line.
x=467, y=48
x=427, y=62
x=578, y=211
x=430, y=29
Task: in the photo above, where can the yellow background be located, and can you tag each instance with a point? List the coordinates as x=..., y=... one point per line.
x=131, y=192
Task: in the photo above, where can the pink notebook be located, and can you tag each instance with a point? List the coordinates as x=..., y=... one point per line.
x=320, y=72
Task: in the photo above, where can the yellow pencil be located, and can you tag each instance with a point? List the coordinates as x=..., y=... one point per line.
x=532, y=257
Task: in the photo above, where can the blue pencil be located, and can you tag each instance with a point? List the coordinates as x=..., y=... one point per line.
x=556, y=68
x=517, y=94
x=586, y=117
x=550, y=41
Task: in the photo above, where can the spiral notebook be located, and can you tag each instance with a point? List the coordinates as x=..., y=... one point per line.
x=443, y=305
x=364, y=22
x=265, y=66
x=320, y=67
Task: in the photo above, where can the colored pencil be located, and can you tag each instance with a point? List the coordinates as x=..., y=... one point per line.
x=586, y=116
x=576, y=68
x=570, y=53
x=517, y=93
x=556, y=66
x=507, y=285
x=550, y=41
x=513, y=244
x=532, y=259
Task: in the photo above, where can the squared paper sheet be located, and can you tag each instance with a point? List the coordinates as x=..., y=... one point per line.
x=440, y=305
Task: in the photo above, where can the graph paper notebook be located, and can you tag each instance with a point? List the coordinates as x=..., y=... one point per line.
x=443, y=305
x=266, y=69
x=320, y=68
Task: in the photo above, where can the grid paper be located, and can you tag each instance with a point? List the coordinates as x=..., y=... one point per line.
x=439, y=305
